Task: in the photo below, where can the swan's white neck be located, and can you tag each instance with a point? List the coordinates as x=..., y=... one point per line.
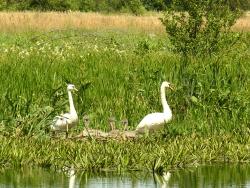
x=72, y=109
x=166, y=108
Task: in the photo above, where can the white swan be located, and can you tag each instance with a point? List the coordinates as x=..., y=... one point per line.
x=155, y=121
x=68, y=120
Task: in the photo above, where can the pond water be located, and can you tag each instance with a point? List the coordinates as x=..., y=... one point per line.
x=202, y=176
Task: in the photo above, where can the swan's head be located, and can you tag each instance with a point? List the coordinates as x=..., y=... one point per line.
x=167, y=85
x=124, y=122
x=86, y=119
x=112, y=119
x=71, y=87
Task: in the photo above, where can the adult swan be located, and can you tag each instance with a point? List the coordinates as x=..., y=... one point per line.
x=156, y=121
x=68, y=120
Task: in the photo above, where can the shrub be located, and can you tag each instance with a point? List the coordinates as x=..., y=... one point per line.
x=200, y=28
x=158, y=5
x=134, y=6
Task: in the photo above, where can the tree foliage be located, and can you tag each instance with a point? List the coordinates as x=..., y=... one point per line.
x=200, y=28
x=134, y=6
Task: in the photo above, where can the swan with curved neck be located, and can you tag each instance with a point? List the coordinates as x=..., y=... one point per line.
x=68, y=120
x=155, y=121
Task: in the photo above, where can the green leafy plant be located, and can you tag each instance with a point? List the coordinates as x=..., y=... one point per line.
x=200, y=28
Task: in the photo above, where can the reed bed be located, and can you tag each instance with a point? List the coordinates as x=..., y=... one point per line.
x=46, y=21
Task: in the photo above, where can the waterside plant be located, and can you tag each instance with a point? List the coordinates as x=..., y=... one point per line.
x=156, y=153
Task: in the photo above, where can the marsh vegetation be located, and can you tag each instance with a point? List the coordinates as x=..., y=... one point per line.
x=118, y=73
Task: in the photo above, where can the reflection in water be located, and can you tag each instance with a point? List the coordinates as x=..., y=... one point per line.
x=72, y=177
x=203, y=176
x=163, y=179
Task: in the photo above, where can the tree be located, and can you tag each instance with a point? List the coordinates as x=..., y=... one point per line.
x=200, y=28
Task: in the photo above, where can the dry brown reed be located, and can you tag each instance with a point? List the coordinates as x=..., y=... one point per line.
x=243, y=24
x=45, y=21
x=23, y=21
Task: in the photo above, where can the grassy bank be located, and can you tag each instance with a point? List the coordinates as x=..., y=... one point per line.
x=150, y=154
x=118, y=73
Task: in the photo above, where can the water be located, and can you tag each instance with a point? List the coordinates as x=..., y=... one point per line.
x=203, y=176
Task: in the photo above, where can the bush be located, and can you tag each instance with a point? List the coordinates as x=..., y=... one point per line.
x=157, y=5
x=200, y=28
x=243, y=4
x=56, y=5
x=134, y=6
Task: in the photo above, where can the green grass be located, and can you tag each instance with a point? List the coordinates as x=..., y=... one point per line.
x=119, y=74
x=150, y=154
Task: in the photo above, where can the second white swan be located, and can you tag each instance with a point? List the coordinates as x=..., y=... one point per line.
x=68, y=120
x=156, y=121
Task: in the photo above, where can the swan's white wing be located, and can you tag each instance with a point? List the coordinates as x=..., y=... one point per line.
x=151, y=122
x=60, y=122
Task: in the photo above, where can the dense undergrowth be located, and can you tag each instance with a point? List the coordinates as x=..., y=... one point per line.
x=119, y=74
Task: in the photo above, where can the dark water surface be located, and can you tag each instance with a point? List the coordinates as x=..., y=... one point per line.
x=202, y=176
